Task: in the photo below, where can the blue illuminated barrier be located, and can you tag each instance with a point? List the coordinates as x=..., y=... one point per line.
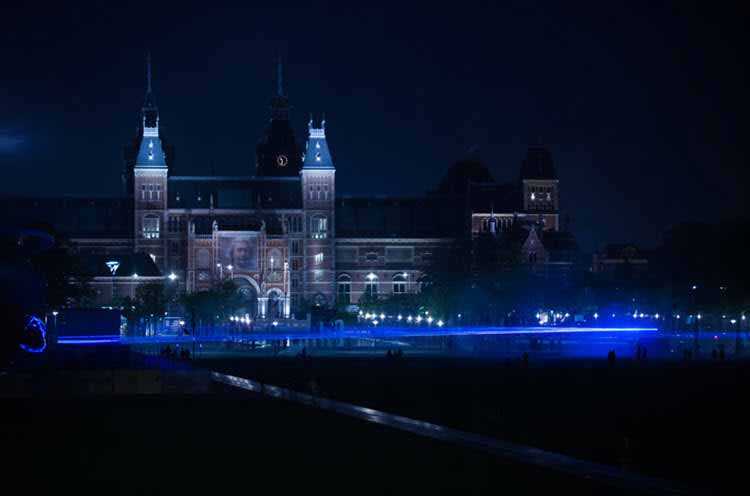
x=503, y=449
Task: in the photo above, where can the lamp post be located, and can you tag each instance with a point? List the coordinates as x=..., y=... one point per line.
x=221, y=271
x=113, y=265
x=172, y=289
x=231, y=271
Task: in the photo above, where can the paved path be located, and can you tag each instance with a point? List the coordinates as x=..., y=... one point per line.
x=516, y=452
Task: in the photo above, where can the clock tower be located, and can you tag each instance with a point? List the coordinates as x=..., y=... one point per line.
x=278, y=153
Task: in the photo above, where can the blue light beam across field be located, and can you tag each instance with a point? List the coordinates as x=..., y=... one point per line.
x=359, y=333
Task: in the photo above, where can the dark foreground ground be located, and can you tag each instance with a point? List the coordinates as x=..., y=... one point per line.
x=231, y=442
x=681, y=421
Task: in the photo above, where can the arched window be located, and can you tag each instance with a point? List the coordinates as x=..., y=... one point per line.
x=319, y=227
x=344, y=289
x=151, y=227
x=274, y=259
x=371, y=284
x=399, y=283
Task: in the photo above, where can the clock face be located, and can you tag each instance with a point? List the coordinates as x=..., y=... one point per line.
x=281, y=160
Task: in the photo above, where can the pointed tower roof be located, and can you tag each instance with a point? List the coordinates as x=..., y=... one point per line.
x=279, y=78
x=150, y=152
x=280, y=108
x=149, y=102
x=317, y=155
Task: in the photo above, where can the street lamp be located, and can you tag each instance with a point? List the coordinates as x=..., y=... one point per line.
x=221, y=271
x=231, y=271
x=172, y=276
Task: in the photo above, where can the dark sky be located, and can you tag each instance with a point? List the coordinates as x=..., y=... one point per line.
x=643, y=106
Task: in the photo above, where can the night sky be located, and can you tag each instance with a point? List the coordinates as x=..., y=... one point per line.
x=643, y=107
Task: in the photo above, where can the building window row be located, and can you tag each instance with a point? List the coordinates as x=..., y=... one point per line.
x=294, y=224
x=372, y=287
x=318, y=192
x=150, y=191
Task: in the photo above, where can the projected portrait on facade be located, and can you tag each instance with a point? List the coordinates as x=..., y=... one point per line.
x=240, y=251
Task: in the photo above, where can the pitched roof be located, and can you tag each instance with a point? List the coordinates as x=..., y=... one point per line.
x=494, y=197
x=538, y=164
x=128, y=265
x=235, y=192
x=150, y=153
x=317, y=155
x=396, y=217
x=73, y=217
x=469, y=170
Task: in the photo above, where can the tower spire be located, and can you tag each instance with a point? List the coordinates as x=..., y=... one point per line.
x=148, y=72
x=279, y=78
x=149, y=101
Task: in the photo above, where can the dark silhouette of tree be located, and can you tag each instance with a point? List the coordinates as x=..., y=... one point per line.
x=67, y=278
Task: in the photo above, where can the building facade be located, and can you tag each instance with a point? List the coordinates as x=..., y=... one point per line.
x=282, y=234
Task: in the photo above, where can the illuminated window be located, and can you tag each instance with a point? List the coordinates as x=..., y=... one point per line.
x=319, y=227
x=318, y=259
x=151, y=227
x=399, y=283
x=274, y=259
x=344, y=289
x=371, y=284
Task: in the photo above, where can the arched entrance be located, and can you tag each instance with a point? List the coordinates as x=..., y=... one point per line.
x=275, y=310
x=249, y=294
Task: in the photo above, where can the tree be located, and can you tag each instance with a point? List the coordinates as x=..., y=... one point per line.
x=482, y=278
x=220, y=301
x=151, y=300
x=67, y=278
x=130, y=311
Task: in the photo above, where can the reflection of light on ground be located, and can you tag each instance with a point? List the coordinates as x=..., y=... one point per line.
x=379, y=333
x=541, y=343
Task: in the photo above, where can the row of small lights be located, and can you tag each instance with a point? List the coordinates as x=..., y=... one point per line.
x=418, y=319
x=240, y=320
x=677, y=316
x=172, y=276
x=247, y=320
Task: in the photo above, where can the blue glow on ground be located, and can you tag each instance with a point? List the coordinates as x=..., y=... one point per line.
x=90, y=341
x=508, y=343
x=380, y=332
